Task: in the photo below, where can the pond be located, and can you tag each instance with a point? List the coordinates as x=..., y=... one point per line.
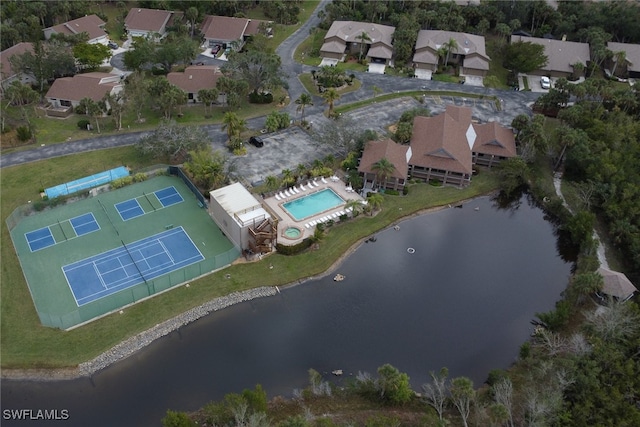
x=463, y=299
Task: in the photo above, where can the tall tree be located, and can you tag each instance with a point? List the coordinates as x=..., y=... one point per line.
x=330, y=96
x=303, y=100
x=115, y=105
x=450, y=45
x=619, y=58
x=233, y=124
x=393, y=385
x=462, y=395
x=91, y=55
x=173, y=141
x=208, y=97
x=142, y=52
x=435, y=392
x=383, y=169
x=192, y=16
x=136, y=93
x=261, y=70
x=524, y=57
x=363, y=37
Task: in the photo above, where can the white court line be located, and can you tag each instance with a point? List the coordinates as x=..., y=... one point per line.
x=95, y=267
x=167, y=252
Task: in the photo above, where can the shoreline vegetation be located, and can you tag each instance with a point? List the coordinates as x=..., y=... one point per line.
x=32, y=351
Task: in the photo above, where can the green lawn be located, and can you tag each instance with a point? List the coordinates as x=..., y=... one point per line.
x=25, y=343
x=307, y=82
x=415, y=93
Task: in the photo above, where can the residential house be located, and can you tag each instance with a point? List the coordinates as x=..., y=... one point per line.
x=229, y=32
x=444, y=148
x=90, y=24
x=66, y=93
x=469, y=53
x=631, y=66
x=345, y=38
x=616, y=284
x=7, y=72
x=141, y=22
x=397, y=154
x=561, y=55
x=194, y=78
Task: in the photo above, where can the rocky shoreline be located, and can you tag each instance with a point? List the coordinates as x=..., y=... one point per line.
x=128, y=347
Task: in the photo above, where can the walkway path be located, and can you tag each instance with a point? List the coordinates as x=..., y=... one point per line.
x=557, y=183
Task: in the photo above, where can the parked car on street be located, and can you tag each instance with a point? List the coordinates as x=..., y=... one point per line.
x=545, y=82
x=256, y=141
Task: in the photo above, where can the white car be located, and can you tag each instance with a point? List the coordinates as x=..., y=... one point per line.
x=545, y=83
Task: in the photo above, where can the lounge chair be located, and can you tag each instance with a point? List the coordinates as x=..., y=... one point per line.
x=286, y=193
x=307, y=225
x=315, y=183
x=334, y=215
x=278, y=197
x=295, y=190
x=348, y=210
x=341, y=213
x=282, y=196
x=324, y=181
x=302, y=187
x=334, y=178
x=349, y=189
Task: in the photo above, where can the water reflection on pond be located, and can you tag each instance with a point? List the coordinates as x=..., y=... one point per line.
x=463, y=299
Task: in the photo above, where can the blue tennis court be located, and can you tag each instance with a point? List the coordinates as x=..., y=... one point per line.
x=168, y=196
x=40, y=239
x=84, y=224
x=112, y=271
x=129, y=209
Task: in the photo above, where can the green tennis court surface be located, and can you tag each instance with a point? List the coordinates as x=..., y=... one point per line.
x=96, y=255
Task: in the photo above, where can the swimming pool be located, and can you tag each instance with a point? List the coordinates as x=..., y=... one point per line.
x=313, y=204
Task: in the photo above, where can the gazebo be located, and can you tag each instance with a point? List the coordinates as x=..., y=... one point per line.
x=616, y=284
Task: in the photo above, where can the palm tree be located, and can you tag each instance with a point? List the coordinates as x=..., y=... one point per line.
x=304, y=100
x=271, y=182
x=330, y=97
x=192, y=15
x=375, y=201
x=233, y=124
x=355, y=205
x=363, y=37
x=383, y=169
x=452, y=44
x=620, y=57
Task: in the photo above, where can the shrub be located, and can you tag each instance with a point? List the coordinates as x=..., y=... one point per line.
x=83, y=124
x=139, y=177
x=525, y=350
x=392, y=192
x=23, y=133
x=121, y=182
x=260, y=98
x=405, y=190
x=240, y=151
x=294, y=249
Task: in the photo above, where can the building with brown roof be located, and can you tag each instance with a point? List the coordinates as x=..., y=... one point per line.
x=195, y=78
x=470, y=53
x=67, y=92
x=561, y=55
x=493, y=143
x=444, y=148
x=616, y=284
x=7, y=72
x=226, y=31
x=397, y=154
x=90, y=24
x=141, y=22
x=344, y=38
x=631, y=66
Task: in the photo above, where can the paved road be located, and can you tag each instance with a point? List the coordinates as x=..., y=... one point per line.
x=289, y=148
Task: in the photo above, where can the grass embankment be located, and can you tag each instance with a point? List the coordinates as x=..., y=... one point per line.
x=27, y=344
x=415, y=93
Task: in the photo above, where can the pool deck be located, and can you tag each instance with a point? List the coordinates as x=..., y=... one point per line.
x=285, y=220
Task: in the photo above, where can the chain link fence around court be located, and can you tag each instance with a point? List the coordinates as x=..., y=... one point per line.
x=138, y=292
